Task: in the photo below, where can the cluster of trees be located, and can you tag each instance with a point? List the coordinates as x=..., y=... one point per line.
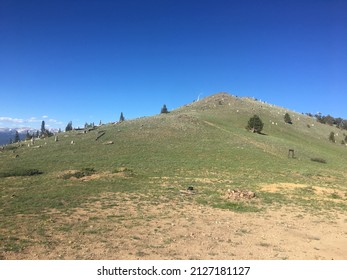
x=338, y=122
x=43, y=132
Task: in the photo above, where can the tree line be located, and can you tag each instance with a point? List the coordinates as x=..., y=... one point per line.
x=330, y=120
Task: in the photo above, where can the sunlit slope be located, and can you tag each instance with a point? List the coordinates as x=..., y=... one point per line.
x=208, y=134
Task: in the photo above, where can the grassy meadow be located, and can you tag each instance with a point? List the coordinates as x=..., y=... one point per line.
x=203, y=145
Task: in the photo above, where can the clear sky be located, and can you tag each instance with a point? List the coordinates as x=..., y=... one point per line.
x=90, y=60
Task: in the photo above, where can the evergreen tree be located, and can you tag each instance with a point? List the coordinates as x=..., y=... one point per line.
x=164, y=110
x=255, y=124
x=37, y=134
x=121, y=118
x=16, y=137
x=43, y=128
x=287, y=119
x=69, y=126
x=332, y=137
x=28, y=136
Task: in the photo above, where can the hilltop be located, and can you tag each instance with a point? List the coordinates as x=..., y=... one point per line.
x=146, y=178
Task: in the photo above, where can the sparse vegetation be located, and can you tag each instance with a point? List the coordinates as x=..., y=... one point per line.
x=79, y=174
x=135, y=186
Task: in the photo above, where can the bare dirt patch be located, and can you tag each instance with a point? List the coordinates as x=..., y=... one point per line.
x=317, y=192
x=132, y=226
x=281, y=186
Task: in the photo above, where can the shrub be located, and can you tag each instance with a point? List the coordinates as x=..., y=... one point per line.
x=320, y=160
x=21, y=172
x=287, y=119
x=332, y=137
x=80, y=174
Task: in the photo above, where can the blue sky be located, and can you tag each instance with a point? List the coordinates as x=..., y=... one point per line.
x=90, y=60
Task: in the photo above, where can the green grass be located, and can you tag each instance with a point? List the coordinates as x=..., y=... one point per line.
x=204, y=145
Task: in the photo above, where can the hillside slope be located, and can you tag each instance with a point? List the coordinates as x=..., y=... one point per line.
x=200, y=154
x=206, y=135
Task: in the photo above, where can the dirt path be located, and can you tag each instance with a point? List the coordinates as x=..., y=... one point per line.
x=128, y=227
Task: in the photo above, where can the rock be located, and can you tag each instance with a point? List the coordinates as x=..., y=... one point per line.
x=240, y=194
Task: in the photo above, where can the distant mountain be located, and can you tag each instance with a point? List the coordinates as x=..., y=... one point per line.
x=6, y=134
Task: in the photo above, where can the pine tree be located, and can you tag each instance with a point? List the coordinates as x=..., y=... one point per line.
x=287, y=119
x=121, y=118
x=255, y=124
x=43, y=128
x=69, y=126
x=28, y=136
x=16, y=137
x=164, y=110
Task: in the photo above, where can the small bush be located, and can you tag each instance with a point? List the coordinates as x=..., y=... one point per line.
x=21, y=172
x=320, y=160
x=332, y=137
x=287, y=119
x=80, y=174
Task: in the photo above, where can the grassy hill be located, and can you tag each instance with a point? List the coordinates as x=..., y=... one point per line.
x=203, y=145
